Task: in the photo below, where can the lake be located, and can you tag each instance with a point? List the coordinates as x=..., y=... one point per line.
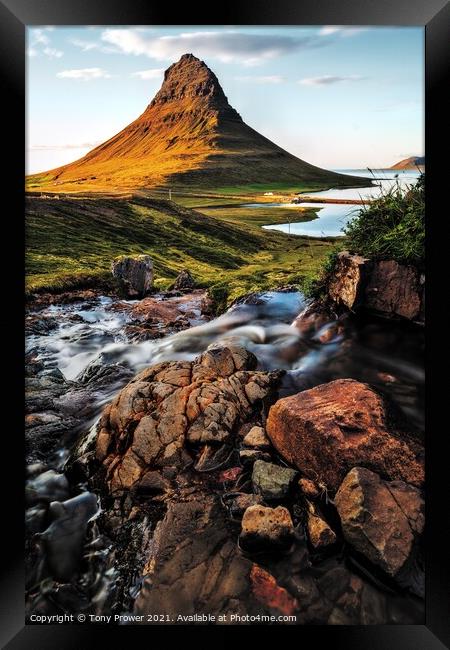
x=333, y=217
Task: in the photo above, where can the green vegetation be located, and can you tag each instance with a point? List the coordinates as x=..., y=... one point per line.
x=71, y=242
x=391, y=227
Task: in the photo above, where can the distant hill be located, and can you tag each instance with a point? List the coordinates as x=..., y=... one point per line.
x=189, y=135
x=413, y=162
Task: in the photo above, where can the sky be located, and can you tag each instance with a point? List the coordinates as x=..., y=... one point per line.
x=337, y=97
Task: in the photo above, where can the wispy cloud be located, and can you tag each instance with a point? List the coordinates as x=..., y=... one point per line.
x=226, y=46
x=84, y=74
x=88, y=46
x=328, y=80
x=63, y=147
x=329, y=30
x=154, y=73
x=261, y=79
x=39, y=43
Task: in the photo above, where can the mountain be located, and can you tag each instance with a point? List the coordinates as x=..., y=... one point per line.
x=413, y=162
x=188, y=135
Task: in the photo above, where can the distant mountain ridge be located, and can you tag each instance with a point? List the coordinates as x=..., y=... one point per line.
x=188, y=135
x=413, y=162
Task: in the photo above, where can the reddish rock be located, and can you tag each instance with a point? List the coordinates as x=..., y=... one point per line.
x=270, y=594
x=311, y=319
x=230, y=474
x=347, y=280
x=327, y=430
x=308, y=488
x=394, y=290
x=381, y=519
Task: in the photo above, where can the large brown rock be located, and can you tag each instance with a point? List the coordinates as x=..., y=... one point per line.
x=381, y=519
x=169, y=412
x=347, y=281
x=327, y=430
x=394, y=290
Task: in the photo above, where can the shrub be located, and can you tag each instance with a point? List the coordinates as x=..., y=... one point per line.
x=392, y=226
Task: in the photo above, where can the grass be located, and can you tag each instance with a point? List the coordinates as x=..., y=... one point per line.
x=71, y=242
x=391, y=227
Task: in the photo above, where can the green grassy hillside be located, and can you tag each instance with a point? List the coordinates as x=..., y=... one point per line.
x=71, y=242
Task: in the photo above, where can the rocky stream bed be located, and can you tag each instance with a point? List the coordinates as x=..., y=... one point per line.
x=268, y=462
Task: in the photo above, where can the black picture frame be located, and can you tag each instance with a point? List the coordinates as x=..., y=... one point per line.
x=15, y=15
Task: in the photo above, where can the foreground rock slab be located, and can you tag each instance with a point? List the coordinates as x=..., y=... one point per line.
x=327, y=430
x=169, y=413
x=380, y=519
x=194, y=566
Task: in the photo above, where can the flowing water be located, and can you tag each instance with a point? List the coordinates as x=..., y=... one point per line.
x=90, y=337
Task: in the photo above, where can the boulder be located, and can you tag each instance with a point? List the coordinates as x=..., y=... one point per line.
x=266, y=529
x=346, y=283
x=183, y=282
x=134, y=275
x=394, y=290
x=386, y=287
x=380, y=519
x=271, y=481
x=170, y=412
x=327, y=430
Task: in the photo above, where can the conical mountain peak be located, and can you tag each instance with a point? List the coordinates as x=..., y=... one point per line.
x=188, y=135
x=190, y=79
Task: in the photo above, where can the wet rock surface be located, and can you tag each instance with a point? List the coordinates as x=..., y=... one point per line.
x=160, y=500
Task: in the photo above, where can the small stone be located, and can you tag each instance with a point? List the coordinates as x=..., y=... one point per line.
x=271, y=481
x=249, y=456
x=266, y=529
x=184, y=281
x=257, y=439
x=152, y=483
x=308, y=488
x=320, y=534
x=238, y=503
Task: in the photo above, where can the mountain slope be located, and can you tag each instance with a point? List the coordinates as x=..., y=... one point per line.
x=189, y=135
x=413, y=162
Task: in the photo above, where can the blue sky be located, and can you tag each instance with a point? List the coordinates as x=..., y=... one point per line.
x=337, y=97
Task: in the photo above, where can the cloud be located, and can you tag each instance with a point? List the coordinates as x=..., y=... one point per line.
x=329, y=30
x=40, y=44
x=328, y=80
x=85, y=74
x=63, y=147
x=268, y=79
x=227, y=46
x=52, y=53
x=154, y=73
x=88, y=46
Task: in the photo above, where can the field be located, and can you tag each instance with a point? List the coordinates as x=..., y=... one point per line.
x=71, y=241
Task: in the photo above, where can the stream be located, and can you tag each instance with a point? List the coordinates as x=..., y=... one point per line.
x=79, y=355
